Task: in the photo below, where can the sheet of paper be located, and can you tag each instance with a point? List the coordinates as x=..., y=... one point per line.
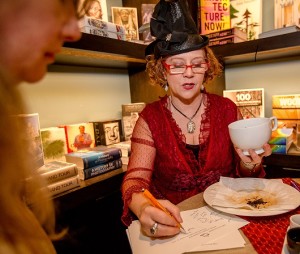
x=207, y=229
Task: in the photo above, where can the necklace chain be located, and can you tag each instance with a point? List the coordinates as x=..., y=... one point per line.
x=191, y=126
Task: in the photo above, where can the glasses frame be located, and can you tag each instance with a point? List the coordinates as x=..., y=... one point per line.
x=168, y=67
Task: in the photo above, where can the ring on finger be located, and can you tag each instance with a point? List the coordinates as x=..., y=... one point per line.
x=153, y=229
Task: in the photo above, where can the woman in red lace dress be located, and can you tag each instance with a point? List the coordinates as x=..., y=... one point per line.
x=180, y=144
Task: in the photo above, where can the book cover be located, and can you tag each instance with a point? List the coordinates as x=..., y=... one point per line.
x=225, y=40
x=287, y=109
x=107, y=132
x=63, y=185
x=55, y=171
x=286, y=13
x=32, y=135
x=95, y=156
x=228, y=32
x=128, y=124
x=96, y=9
x=54, y=144
x=79, y=136
x=129, y=108
x=99, y=169
x=214, y=15
x=246, y=15
x=128, y=18
x=146, y=14
x=249, y=101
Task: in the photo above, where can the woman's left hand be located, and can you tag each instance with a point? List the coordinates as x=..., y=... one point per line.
x=253, y=157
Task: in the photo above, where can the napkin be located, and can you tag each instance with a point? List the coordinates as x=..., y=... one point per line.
x=253, y=194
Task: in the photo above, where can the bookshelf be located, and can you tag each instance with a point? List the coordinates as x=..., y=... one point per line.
x=98, y=51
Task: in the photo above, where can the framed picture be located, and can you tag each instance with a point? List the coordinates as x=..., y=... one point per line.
x=126, y=17
x=94, y=9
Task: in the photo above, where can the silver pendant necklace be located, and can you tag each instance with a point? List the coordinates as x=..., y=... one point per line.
x=191, y=126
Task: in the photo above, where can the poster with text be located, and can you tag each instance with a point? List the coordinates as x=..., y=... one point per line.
x=215, y=15
x=249, y=101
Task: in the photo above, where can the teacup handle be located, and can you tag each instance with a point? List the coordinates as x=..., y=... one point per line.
x=274, y=121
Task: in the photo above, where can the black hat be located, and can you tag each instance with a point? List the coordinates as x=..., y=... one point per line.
x=174, y=29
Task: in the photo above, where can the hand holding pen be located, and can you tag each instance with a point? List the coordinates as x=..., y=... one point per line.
x=158, y=205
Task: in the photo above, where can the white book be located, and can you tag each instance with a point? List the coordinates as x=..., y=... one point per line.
x=63, y=185
x=55, y=171
x=279, y=31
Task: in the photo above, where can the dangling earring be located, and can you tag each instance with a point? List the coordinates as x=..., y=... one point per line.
x=166, y=87
x=202, y=88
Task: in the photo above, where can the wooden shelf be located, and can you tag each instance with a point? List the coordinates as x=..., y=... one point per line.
x=99, y=51
x=271, y=48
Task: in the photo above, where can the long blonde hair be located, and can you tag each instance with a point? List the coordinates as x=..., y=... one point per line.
x=27, y=214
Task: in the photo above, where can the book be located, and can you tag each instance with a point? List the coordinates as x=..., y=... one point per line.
x=128, y=18
x=79, y=136
x=146, y=14
x=228, y=32
x=55, y=171
x=246, y=15
x=125, y=147
x=90, y=172
x=286, y=13
x=92, y=157
x=54, y=144
x=32, y=135
x=214, y=16
x=130, y=114
x=287, y=109
x=225, y=40
x=279, y=31
x=107, y=132
x=103, y=33
x=129, y=108
x=93, y=9
x=63, y=185
x=250, y=102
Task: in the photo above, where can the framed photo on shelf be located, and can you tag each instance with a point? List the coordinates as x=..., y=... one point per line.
x=94, y=9
x=126, y=17
x=147, y=11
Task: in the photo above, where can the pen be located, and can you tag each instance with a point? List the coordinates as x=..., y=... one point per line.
x=158, y=205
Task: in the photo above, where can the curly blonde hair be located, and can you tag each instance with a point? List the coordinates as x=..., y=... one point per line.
x=156, y=70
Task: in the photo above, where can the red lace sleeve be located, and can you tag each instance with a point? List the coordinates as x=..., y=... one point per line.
x=140, y=167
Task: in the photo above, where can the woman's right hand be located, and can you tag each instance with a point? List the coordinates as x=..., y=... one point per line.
x=149, y=215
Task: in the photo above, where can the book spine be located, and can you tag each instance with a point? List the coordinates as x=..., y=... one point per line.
x=59, y=174
x=102, y=158
x=220, y=34
x=97, y=133
x=63, y=185
x=100, y=169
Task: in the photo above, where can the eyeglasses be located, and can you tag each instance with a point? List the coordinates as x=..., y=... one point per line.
x=199, y=68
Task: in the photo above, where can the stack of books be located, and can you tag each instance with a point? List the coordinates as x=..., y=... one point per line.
x=130, y=114
x=231, y=35
x=125, y=147
x=95, y=161
x=102, y=28
x=60, y=176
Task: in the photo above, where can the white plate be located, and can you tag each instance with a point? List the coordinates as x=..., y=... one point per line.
x=210, y=193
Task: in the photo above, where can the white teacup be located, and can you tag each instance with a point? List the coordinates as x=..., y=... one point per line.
x=295, y=221
x=252, y=133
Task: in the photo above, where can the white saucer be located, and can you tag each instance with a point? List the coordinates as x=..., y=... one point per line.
x=258, y=151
